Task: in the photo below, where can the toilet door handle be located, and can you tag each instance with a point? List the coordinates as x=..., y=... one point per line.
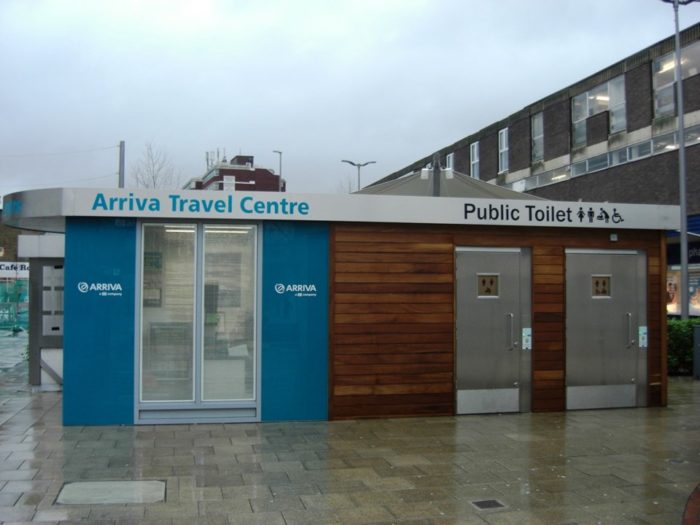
x=630, y=336
x=510, y=319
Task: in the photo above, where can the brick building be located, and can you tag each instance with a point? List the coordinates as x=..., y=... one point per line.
x=609, y=137
x=240, y=174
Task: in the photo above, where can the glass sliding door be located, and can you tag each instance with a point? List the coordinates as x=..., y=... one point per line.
x=198, y=357
x=228, y=353
x=167, y=309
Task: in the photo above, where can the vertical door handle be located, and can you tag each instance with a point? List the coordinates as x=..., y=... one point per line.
x=630, y=333
x=510, y=319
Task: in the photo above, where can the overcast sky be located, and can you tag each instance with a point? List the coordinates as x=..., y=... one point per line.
x=383, y=80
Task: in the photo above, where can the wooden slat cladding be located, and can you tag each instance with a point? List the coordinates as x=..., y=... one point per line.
x=392, y=323
x=392, y=313
x=548, y=329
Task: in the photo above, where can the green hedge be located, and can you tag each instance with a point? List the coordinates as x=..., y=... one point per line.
x=680, y=346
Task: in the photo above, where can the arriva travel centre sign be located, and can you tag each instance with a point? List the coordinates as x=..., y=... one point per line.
x=30, y=207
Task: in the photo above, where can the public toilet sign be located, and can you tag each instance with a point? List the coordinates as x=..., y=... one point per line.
x=46, y=209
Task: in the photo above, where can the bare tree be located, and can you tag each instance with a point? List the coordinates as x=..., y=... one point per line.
x=154, y=169
x=346, y=185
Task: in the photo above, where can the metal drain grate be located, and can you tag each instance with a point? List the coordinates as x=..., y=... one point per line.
x=485, y=504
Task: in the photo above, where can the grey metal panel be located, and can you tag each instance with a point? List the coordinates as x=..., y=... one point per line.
x=45, y=320
x=489, y=328
x=597, y=251
x=600, y=396
x=52, y=300
x=602, y=346
x=51, y=325
x=53, y=276
x=198, y=348
x=200, y=415
x=488, y=400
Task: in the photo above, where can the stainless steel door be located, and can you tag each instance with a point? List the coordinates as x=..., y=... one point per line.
x=493, y=322
x=605, y=329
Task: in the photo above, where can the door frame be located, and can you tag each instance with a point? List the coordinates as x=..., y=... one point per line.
x=525, y=303
x=641, y=379
x=185, y=412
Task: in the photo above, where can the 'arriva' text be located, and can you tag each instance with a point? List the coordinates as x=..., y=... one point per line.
x=176, y=203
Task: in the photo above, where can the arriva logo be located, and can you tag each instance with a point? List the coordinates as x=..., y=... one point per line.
x=103, y=289
x=299, y=290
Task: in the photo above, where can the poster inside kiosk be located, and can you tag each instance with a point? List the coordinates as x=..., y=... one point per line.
x=142, y=203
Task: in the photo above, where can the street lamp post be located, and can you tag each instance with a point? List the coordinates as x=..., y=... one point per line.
x=681, y=162
x=359, y=166
x=280, y=172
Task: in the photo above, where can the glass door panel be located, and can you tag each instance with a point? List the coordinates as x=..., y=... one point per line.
x=167, y=349
x=228, y=356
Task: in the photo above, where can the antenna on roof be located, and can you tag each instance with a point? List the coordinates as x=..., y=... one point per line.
x=436, y=174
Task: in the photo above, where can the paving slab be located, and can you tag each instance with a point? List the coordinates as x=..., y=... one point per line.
x=615, y=466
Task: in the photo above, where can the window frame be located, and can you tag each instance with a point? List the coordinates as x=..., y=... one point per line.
x=474, y=160
x=690, y=65
x=449, y=161
x=537, y=140
x=593, y=102
x=503, y=148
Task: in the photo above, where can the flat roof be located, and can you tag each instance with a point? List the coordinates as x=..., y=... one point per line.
x=47, y=209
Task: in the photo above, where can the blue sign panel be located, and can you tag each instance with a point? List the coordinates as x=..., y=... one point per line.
x=295, y=321
x=98, y=353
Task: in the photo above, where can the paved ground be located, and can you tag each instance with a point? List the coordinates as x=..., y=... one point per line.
x=627, y=466
x=13, y=348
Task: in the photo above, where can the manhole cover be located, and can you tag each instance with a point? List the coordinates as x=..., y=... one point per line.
x=110, y=492
x=488, y=504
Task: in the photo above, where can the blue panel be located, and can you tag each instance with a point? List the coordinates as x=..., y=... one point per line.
x=693, y=223
x=295, y=321
x=98, y=340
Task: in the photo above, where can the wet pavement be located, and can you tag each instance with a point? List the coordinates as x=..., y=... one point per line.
x=622, y=466
x=13, y=348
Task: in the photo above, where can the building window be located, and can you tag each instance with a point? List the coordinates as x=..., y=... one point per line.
x=608, y=96
x=474, y=159
x=617, y=105
x=537, y=133
x=503, y=150
x=449, y=161
x=664, y=78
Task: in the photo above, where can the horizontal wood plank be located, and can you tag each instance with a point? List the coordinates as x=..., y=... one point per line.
x=386, y=247
x=384, y=287
x=396, y=328
x=393, y=278
x=387, y=257
x=393, y=308
x=393, y=318
x=386, y=298
x=394, y=267
x=393, y=358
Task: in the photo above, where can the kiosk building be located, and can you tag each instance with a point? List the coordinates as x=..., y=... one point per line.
x=196, y=306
